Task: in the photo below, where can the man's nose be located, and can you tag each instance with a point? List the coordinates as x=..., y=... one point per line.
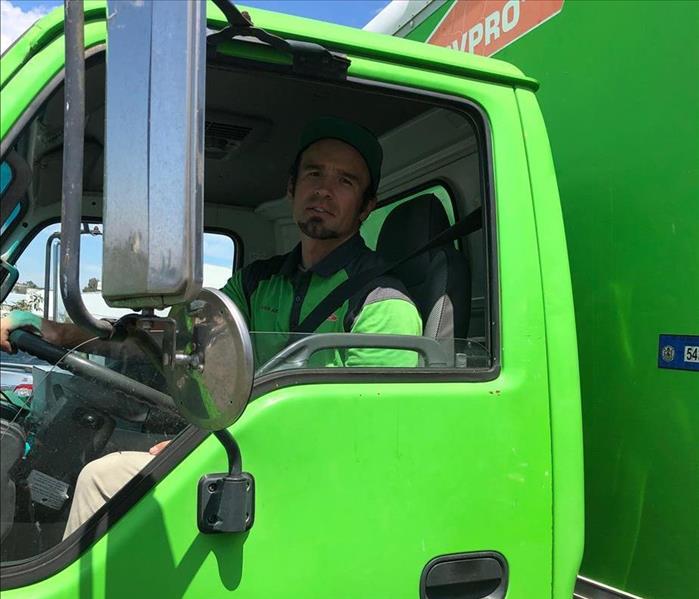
x=324, y=186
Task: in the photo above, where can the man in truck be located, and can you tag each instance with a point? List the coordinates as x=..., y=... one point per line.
x=332, y=188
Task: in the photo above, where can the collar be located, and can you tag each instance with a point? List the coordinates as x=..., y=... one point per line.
x=340, y=257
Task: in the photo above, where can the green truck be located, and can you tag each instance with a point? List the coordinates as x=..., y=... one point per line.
x=623, y=122
x=459, y=477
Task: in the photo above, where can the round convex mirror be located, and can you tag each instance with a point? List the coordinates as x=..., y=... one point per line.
x=211, y=378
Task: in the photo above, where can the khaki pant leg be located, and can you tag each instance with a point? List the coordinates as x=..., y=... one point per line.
x=99, y=481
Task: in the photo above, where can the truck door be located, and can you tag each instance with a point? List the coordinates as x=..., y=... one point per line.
x=432, y=480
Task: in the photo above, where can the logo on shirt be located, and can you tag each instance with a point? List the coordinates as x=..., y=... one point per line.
x=332, y=317
x=269, y=309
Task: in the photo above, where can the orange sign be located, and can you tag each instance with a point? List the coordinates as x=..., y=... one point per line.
x=486, y=26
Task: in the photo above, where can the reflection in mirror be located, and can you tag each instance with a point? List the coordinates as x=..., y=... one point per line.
x=210, y=368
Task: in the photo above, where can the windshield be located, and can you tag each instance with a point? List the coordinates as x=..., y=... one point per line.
x=54, y=423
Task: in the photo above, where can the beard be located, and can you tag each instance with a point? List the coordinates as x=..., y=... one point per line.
x=316, y=229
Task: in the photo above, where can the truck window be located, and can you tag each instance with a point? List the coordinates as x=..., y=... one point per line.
x=33, y=291
x=52, y=409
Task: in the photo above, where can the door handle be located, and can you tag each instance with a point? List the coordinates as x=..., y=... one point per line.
x=481, y=575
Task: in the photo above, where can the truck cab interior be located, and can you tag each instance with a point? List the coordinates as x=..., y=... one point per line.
x=436, y=172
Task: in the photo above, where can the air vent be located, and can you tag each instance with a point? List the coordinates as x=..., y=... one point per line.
x=221, y=139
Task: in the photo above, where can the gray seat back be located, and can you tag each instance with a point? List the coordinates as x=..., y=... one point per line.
x=439, y=280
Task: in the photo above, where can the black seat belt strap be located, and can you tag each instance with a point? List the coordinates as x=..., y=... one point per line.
x=348, y=288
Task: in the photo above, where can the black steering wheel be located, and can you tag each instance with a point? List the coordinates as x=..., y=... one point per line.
x=36, y=346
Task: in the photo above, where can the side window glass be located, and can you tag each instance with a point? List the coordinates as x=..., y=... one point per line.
x=219, y=259
x=421, y=277
x=36, y=294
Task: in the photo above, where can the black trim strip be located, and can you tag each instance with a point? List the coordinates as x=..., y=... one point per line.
x=320, y=376
x=586, y=588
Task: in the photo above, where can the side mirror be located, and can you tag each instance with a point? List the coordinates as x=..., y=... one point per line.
x=154, y=152
x=211, y=364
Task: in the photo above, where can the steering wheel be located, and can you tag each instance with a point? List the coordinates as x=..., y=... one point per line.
x=36, y=346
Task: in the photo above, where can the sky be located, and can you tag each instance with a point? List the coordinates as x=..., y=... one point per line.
x=16, y=16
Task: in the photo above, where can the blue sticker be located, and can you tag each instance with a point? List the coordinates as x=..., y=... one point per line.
x=680, y=352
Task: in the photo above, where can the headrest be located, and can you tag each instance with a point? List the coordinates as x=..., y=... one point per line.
x=406, y=229
x=410, y=226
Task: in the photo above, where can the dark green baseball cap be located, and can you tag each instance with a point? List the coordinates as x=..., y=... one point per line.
x=360, y=138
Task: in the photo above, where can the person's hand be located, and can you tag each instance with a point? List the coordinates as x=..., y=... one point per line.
x=158, y=447
x=17, y=319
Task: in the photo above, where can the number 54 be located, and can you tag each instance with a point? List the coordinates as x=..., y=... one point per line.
x=691, y=353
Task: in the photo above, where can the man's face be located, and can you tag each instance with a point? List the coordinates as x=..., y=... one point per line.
x=327, y=201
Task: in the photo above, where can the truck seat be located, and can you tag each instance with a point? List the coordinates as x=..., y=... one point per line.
x=438, y=280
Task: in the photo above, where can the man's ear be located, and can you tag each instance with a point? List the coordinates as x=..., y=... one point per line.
x=290, y=185
x=369, y=205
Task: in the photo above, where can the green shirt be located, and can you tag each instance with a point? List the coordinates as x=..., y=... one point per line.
x=276, y=294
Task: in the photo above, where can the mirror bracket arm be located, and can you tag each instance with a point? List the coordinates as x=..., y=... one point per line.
x=73, y=147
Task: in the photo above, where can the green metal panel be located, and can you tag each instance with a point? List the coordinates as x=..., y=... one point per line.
x=361, y=485
x=33, y=76
x=624, y=126
x=561, y=348
x=39, y=35
x=621, y=110
x=357, y=488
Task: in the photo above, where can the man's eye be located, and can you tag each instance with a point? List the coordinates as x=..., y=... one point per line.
x=346, y=181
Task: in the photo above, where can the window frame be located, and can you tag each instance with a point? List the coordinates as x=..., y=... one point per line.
x=481, y=126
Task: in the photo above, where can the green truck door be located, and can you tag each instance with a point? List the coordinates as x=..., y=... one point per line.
x=363, y=479
x=360, y=482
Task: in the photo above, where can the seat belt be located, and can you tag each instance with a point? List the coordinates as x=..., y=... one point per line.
x=348, y=288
